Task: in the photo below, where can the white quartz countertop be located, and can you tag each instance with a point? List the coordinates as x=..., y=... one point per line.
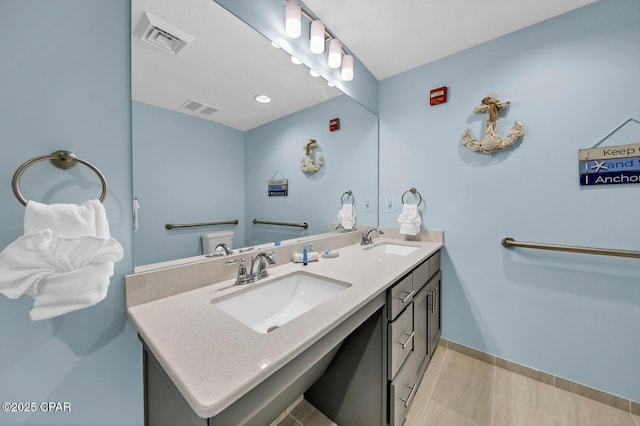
x=213, y=359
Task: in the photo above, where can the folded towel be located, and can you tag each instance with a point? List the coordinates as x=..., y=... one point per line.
x=61, y=274
x=347, y=216
x=64, y=261
x=68, y=220
x=409, y=219
x=311, y=257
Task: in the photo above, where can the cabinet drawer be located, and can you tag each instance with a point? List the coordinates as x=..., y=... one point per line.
x=401, y=339
x=421, y=275
x=400, y=296
x=434, y=263
x=401, y=393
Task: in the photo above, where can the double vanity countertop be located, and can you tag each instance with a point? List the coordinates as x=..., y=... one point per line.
x=214, y=359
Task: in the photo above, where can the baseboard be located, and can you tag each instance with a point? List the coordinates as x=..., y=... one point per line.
x=624, y=404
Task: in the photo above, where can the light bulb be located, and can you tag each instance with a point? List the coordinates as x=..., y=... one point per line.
x=347, y=68
x=293, y=26
x=316, y=37
x=335, y=53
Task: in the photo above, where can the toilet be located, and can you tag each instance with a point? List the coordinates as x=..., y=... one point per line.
x=211, y=240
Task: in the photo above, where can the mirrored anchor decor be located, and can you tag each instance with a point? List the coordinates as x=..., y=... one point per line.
x=308, y=164
x=492, y=142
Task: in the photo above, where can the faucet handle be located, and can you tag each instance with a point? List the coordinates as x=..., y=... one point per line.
x=243, y=276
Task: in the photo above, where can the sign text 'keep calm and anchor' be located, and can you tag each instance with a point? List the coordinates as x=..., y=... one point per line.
x=610, y=165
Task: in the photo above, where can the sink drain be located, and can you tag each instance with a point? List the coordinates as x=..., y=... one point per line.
x=273, y=327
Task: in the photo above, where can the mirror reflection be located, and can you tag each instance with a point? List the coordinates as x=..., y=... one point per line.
x=205, y=151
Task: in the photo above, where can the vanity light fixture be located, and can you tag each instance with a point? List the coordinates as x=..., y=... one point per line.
x=263, y=99
x=335, y=53
x=347, y=68
x=293, y=25
x=316, y=37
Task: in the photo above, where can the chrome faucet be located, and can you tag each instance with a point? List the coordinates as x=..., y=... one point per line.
x=243, y=276
x=222, y=247
x=259, y=265
x=365, y=237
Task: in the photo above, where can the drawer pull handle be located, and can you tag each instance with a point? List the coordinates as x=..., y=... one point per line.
x=408, y=400
x=407, y=297
x=406, y=342
x=433, y=306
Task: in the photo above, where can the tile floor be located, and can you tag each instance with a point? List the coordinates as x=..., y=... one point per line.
x=458, y=390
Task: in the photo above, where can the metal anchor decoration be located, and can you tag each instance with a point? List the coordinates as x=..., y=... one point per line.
x=492, y=142
x=308, y=165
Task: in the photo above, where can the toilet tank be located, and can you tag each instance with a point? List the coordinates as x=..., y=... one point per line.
x=212, y=239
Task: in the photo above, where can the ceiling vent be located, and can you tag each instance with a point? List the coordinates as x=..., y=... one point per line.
x=199, y=107
x=160, y=34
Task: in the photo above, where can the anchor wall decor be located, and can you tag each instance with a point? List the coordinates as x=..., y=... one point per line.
x=492, y=142
x=308, y=164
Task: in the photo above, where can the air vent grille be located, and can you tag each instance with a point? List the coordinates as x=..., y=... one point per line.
x=161, y=34
x=208, y=110
x=199, y=107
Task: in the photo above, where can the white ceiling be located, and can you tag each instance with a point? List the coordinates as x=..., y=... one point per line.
x=228, y=63
x=393, y=36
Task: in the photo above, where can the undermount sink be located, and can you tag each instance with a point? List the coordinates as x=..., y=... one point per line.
x=390, y=248
x=266, y=306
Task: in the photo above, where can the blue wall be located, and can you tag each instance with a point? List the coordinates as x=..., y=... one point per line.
x=65, y=85
x=571, y=80
x=350, y=163
x=188, y=170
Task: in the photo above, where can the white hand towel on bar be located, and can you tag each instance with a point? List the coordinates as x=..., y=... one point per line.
x=68, y=220
x=409, y=219
x=347, y=216
x=66, y=260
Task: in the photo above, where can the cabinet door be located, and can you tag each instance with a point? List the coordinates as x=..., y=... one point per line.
x=401, y=341
x=421, y=330
x=434, y=311
x=402, y=390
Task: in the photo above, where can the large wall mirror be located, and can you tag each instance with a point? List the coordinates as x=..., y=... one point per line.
x=204, y=150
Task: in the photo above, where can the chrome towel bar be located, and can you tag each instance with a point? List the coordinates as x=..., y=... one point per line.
x=347, y=194
x=192, y=225
x=304, y=225
x=414, y=191
x=62, y=160
x=509, y=242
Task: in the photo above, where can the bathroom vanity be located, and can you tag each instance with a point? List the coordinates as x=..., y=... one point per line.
x=357, y=356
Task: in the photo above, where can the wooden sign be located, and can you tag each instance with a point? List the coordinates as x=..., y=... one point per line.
x=609, y=165
x=278, y=187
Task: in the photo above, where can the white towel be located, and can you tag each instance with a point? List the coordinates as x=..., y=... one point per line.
x=313, y=256
x=68, y=220
x=409, y=219
x=62, y=273
x=347, y=216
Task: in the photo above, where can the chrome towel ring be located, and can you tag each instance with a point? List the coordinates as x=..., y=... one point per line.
x=414, y=192
x=348, y=194
x=62, y=160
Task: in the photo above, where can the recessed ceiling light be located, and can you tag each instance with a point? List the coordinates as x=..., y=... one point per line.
x=263, y=99
x=314, y=73
x=331, y=84
x=296, y=60
x=274, y=44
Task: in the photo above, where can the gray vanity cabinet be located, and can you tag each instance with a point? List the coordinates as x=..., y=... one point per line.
x=375, y=375
x=435, y=315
